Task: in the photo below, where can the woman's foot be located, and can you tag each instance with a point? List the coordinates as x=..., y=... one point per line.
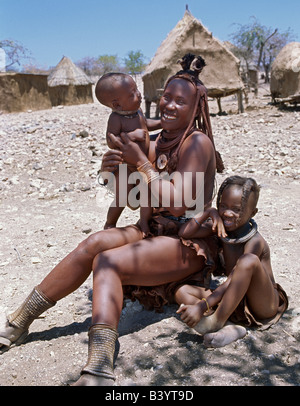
x=10, y=334
x=224, y=336
x=93, y=380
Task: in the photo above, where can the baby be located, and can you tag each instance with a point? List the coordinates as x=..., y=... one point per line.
x=250, y=285
x=119, y=92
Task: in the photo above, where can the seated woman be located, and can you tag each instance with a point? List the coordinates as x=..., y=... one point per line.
x=120, y=257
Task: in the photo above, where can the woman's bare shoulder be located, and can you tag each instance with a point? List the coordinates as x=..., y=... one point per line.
x=198, y=138
x=199, y=142
x=196, y=153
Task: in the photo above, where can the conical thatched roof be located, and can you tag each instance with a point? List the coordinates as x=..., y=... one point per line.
x=67, y=73
x=221, y=75
x=285, y=72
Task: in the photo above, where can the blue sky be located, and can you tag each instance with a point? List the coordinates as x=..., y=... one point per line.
x=51, y=29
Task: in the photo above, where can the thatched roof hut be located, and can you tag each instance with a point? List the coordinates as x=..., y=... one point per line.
x=221, y=75
x=285, y=74
x=68, y=84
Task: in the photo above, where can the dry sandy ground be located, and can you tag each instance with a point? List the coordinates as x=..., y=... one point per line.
x=50, y=201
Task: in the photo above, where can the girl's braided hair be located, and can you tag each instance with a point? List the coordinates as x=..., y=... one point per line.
x=191, y=68
x=248, y=185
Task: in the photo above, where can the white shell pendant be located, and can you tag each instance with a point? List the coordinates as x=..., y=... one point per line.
x=162, y=161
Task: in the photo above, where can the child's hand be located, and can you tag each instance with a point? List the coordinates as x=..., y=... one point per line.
x=218, y=226
x=191, y=314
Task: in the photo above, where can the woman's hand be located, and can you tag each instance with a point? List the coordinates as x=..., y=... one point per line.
x=131, y=152
x=137, y=135
x=111, y=160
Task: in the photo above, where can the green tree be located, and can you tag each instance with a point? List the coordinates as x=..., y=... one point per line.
x=109, y=63
x=134, y=62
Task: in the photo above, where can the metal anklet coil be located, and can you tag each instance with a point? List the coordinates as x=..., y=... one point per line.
x=33, y=306
x=101, y=350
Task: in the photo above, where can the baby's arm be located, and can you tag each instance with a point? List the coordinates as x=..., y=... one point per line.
x=113, y=127
x=152, y=124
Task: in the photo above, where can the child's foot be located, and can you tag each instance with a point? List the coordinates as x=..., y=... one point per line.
x=224, y=336
x=208, y=324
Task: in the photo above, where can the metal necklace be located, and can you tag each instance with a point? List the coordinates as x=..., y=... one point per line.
x=240, y=239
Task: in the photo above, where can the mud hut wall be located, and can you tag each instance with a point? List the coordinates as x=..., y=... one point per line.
x=85, y=94
x=70, y=95
x=21, y=92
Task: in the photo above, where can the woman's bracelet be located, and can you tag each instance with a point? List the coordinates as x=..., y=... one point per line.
x=208, y=308
x=147, y=170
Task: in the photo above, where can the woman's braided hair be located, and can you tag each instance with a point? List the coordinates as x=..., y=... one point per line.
x=191, y=68
x=248, y=185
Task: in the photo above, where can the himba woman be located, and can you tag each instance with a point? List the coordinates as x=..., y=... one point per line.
x=120, y=257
